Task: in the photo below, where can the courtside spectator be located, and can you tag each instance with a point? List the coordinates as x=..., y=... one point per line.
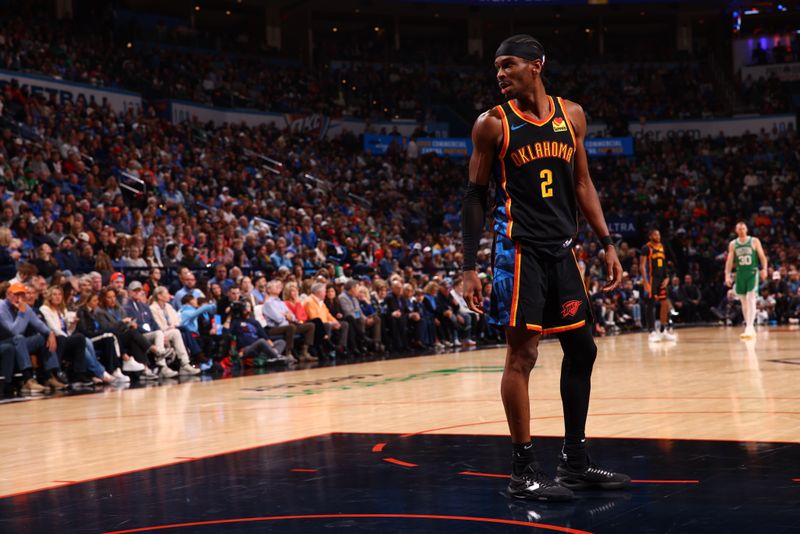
x=112, y=318
x=253, y=341
x=281, y=321
x=316, y=309
x=72, y=345
x=17, y=344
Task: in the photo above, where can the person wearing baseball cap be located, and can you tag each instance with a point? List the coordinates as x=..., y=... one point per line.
x=15, y=347
x=117, y=280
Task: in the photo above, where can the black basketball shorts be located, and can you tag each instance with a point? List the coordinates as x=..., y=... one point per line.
x=535, y=290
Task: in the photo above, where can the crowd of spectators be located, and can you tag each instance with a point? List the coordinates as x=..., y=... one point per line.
x=368, y=90
x=765, y=95
x=327, y=252
x=263, y=246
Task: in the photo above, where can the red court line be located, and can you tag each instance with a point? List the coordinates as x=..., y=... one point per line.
x=399, y=462
x=357, y=516
x=488, y=475
x=412, y=434
x=167, y=464
x=378, y=447
x=593, y=436
x=610, y=414
x=64, y=481
x=299, y=470
x=666, y=481
x=186, y=458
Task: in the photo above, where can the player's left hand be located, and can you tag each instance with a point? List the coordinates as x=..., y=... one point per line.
x=763, y=274
x=614, y=269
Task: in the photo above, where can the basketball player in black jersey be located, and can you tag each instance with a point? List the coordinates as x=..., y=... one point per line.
x=533, y=147
x=655, y=277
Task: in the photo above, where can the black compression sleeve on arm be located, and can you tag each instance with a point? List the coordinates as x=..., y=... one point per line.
x=473, y=215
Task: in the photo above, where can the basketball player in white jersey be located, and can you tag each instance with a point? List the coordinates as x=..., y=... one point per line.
x=746, y=252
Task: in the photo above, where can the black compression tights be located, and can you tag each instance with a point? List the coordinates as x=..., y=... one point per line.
x=576, y=379
x=653, y=307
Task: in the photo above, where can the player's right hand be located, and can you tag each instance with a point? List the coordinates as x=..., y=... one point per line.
x=614, y=270
x=473, y=291
x=728, y=281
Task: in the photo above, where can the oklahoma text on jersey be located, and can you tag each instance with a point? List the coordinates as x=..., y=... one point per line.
x=544, y=149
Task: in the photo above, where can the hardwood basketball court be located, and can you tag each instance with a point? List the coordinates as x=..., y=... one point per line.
x=432, y=426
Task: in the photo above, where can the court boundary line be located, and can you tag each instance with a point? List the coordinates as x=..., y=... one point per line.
x=324, y=434
x=494, y=520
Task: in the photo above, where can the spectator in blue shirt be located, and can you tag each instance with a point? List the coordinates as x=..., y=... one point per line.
x=282, y=322
x=188, y=280
x=16, y=318
x=281, y=257
x=221, y=278
x=190, y=311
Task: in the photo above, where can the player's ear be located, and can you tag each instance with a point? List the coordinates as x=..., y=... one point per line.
x=536, y=67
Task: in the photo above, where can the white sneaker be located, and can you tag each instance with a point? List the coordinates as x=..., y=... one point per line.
x=167, y=372
x=748, y=333
x=457, y=343
x=188, y=369
x=149, y=374
x=132, y=366
x=119, y=376
x=655, y=337
x=666, y=336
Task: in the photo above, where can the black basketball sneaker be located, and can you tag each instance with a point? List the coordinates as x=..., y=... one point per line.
x=534, y=485
x=589, y=477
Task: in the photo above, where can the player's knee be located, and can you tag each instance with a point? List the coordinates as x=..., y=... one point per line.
x=522, y=359
x=579, y=346
x=591, y=351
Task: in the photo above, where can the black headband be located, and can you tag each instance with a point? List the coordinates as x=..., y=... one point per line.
x=524, y=50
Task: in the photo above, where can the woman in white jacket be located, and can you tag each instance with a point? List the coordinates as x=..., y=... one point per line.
x=71, y=345
x=169, y=322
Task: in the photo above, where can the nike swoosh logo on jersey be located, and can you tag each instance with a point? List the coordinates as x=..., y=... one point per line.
x=517, y=127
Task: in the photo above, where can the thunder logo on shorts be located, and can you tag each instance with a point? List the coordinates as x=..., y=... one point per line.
x=537, y=283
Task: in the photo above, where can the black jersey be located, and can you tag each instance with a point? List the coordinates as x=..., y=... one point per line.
x=535, y=202
x=656, y=263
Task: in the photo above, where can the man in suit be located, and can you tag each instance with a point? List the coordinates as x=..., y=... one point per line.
x=397, y=317
x=351, y=309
